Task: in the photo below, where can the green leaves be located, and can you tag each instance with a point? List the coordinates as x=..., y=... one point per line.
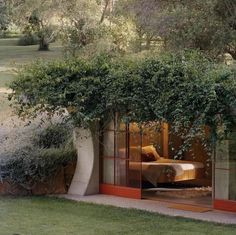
x=185, y=89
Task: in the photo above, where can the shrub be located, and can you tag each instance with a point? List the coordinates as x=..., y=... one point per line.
x=53, y=136
x=26, y=158
x=28, y=39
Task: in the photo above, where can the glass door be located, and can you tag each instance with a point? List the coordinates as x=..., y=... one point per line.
x=120, y=160
x=225, y=174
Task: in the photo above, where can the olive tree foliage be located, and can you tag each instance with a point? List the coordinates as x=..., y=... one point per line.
x=88, y=28
x=207, y=25
x=145, y=16
x=38, y=17
x=80, y=24
x=187, y=90
x=4, y=16
x=226, y=10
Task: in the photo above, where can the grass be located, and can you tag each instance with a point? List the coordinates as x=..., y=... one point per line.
x=13, y=56
x=40, y=216
x=6, y=78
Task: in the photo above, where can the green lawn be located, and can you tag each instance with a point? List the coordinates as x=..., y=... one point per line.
x=12, y=56
x=49, y=216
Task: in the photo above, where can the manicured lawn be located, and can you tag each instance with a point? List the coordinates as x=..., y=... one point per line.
x=44, y=216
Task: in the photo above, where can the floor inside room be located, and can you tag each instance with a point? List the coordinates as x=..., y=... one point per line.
x=182, y=194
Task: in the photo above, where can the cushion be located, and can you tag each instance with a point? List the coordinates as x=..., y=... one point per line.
x=148, y=157
x=150, y=149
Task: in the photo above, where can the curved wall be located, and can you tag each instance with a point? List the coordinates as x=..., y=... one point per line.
x=86, y=177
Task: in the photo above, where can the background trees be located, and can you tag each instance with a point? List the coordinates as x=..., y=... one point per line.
x=4, y=16
x=38, y=18
x=80, y=23
x=175, y=25
x=131, y=25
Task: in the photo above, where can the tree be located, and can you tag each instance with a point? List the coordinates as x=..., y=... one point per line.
x=80, y=24
x=226, y=10
x=144, y=15
x=37, y=17
x=4, y=15
x=175, y=25
x=185, y=89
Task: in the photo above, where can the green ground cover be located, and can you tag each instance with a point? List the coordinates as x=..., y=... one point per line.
x=40, y=216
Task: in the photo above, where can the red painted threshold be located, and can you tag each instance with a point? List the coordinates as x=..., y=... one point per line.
x=120, y=191
x=225, y=205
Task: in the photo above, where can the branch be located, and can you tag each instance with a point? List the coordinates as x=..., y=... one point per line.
x=104, y=11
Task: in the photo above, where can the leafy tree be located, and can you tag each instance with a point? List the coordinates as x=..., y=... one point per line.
x=144, y=16
x=37, y=17
x=4, y=15
x=80, y=24
x=87, y=27
x=226, y=10
x=186, y=90
x=174, y=25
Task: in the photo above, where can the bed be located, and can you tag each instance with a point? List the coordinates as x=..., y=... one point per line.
x=162, y=170
x=167, y=170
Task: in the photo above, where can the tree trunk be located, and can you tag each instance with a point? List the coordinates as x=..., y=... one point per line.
x=107, y=2
x=148, y=43
x=43, y=45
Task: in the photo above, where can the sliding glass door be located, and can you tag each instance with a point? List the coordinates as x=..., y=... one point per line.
x=120, y=160
x=225, y=174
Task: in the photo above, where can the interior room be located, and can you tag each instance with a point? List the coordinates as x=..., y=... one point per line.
x=144, y=159
x=165, y=175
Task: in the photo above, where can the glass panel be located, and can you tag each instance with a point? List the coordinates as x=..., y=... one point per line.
x=225, y=169
x=121, y=126
x=121, y=144
x=135, y=164
x=108, y=171
x=121, y=167
x=222, y=170
x=134, y=128
x=152, y=135
x=134, y=174
x=108, y=144
x=109, y=125
x=107, y=157
x=232, y=165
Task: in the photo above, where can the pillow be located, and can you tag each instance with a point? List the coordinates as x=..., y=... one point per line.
x=150, y=149
x=148, y=157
